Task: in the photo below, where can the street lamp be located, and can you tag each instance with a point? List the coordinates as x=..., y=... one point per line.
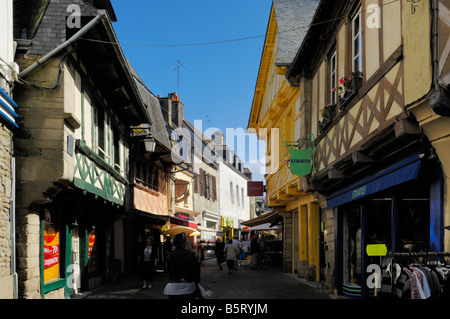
x=150, y=144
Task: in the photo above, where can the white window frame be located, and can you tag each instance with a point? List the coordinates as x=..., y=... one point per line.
x=333, y=78
x=357, y=35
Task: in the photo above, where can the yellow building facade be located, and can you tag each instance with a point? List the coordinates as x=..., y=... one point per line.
x=276, y=118
x=395, y=116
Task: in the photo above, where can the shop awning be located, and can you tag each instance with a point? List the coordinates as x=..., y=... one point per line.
x=396, y=174
x=265, y=226
x=265, y=218
x=187, y=211
x=178, y=229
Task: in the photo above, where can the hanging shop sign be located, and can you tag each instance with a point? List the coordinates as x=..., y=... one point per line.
x=255, y=188
x=51, y=248
x=301, y=161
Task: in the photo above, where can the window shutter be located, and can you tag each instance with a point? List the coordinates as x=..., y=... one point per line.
x=202, y=182
x=214, y=191
x=195, y=183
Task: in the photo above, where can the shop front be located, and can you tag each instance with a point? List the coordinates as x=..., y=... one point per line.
x=227, y=229
x=399, y=208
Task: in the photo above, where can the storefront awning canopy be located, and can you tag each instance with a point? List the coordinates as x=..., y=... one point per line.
x=394, y=175
x=265, y=226
x=178, y=229
x=187, y=211
x=265, y=218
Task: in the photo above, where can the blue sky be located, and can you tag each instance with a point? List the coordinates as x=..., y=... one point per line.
x=217, y=81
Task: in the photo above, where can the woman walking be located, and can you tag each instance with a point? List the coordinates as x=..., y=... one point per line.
x=147, y=261
x=231, y=253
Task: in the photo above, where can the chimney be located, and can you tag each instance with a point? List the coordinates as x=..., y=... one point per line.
x=219, y=138
x=177, y=110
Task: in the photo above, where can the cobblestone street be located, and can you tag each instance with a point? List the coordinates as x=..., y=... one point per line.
x=244, y=283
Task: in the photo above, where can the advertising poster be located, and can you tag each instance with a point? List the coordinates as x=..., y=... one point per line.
x=51, y=249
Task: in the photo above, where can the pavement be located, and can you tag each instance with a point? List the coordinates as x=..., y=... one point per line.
x=243, y=284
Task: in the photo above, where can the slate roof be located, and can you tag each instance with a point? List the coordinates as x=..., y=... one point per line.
x=293, y=20
x=158, y=127
x=44, y=21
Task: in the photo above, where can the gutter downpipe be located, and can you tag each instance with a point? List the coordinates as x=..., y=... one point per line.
x=12, y=214
x=63, y=46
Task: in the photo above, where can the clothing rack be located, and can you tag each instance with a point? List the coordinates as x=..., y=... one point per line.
x=411, y=254
x=421, y=254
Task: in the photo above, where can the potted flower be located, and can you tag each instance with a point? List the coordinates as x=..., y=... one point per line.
x=327, y=113
x=348, y=87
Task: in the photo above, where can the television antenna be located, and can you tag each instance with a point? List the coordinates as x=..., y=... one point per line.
x=179, y=65
x=208, y=121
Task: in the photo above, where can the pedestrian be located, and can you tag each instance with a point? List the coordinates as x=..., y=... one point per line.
x=238, y=245
x=219, y=252
x=147, y=261
x=262, y=252
x=167, y=249
x=231, y=253
x=254, y=248
x=184, y=271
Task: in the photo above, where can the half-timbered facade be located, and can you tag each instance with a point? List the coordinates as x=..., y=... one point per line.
x=79, y=101
x=379, y=181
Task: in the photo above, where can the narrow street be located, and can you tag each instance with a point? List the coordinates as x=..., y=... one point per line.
x=243, y=284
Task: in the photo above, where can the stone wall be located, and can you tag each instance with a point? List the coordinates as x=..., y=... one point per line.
x=6, y=279
x=39, y=150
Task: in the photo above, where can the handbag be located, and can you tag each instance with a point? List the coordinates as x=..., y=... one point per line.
x=179, y=288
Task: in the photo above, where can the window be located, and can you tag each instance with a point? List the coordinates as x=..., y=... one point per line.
x=237, y=195
x=356, y=43
x=147, y=175
x=333, y=79
x=242, y=196
x=116, y=139
x=99, y=131
x=231, y=193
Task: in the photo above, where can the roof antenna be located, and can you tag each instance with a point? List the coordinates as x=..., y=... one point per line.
x=208, y=121
x=180, y=64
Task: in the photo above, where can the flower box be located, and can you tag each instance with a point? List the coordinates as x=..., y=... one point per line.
x=351, y=86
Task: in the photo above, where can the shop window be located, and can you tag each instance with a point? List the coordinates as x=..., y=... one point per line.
x=92, y=252
x=378, y=221
x=414, y=222
x=352, y=246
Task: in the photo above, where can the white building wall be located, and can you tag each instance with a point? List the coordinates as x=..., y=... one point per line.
x=231, y=204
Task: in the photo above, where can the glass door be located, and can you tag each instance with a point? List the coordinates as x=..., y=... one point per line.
x=75, y=266
x=352, y=251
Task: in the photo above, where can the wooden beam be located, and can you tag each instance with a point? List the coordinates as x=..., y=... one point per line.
x=359, y=157
x=406, y=127
x=333, y=173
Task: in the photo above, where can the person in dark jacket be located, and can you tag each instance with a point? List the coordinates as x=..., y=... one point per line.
x=147, y=261
x=184, y=271
x=220, y=246
x=254, y=248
